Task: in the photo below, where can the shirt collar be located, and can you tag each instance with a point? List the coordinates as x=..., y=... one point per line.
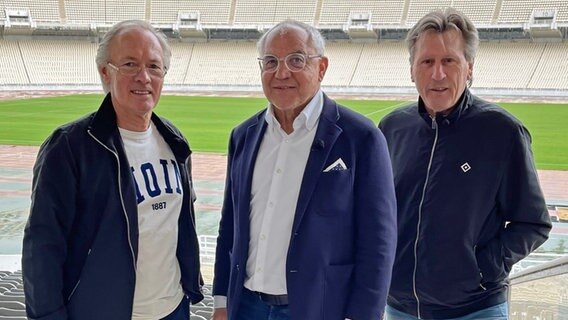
x=308, y=117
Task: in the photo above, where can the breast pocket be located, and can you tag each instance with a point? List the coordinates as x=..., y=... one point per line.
x=334, y=193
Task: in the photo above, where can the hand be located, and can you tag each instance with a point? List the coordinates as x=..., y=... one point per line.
x=219, y=314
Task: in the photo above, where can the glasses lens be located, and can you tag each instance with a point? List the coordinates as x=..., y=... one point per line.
x=296, y=62
x=155, y=71
x=129, y=69
x=269, y=63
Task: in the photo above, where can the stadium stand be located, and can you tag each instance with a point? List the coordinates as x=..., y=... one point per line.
x=269, y=12
x=352, y=65
x=343, y=60
x=59, y=62
x=479, y=11
x=418, y=8
x=211, y=64
x=552, y=70
x=12, y=69
x=336, y=12
x=491, y=72
x=383, y=65
x=519, y=11
x=211, y=12
x=104, y=11
x=40, y=10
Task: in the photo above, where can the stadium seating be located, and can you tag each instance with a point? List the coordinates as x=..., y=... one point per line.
x=479, y=11
x=211, y=12
x=272, y=11
x=519, y=11
x=40, y=10
x=260, y=12
x=382, y=64
x=12, y=70
x=552, y=70
x=418, y=8
x=491, y=72
x=223, y=63
x=59, y=62
x=336, y=12
x=107, y=11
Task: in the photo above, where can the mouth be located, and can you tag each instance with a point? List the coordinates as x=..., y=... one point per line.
x=439, y=89
x=141, y=92
x=283, y=87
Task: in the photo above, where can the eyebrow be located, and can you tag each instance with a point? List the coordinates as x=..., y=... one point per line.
x=298, y=51
x=136, y=59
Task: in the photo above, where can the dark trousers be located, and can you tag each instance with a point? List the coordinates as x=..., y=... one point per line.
x=253, y=308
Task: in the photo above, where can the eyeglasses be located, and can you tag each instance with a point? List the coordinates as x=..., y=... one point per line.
x=295, y=62
x=132, y=69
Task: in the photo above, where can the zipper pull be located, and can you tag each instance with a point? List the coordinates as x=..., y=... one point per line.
x=434, y=123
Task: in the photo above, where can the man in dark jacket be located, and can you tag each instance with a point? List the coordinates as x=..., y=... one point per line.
x=111, y=232
x=469, y=201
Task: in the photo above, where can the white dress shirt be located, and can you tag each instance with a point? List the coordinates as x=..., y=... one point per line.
x=276, y=181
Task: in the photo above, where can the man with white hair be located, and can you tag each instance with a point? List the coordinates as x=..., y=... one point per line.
x=111, y=232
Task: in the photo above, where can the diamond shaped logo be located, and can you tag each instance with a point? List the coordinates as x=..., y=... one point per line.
x=465, y=167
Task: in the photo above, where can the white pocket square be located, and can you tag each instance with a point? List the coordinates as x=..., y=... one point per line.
x=338, y=165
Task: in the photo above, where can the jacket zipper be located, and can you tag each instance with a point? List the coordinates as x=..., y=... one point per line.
x=434, y=127
x=121, y=198
x=190, y=208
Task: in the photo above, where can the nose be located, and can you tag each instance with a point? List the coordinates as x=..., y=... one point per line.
x=282, y=71
x=438, y=72
x=143, y=75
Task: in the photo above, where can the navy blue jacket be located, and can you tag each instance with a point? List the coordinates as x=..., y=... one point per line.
x=469, y=206
x=81, y=240
x=344, y=232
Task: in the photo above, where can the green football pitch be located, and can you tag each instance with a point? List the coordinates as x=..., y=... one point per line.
x=207, y=121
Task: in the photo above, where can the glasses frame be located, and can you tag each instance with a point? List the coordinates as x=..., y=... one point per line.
x=278, y=60
x=121, y=71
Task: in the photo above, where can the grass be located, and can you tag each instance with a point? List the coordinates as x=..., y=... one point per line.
x=207, y=121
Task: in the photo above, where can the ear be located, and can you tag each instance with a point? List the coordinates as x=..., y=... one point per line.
x=411, y=74
x=105, y=74
x=322, y=67
x=469, y=70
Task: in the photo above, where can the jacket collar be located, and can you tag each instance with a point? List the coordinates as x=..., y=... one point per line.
x=104, y=127
x=455, y=112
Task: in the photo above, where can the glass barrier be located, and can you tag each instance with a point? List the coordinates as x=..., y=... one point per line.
x=540, y=292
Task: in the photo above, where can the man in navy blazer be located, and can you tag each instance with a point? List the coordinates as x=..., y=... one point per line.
x=308, y=226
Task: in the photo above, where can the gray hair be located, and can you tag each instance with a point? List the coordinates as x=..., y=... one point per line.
x=102, y=57
x=441, y=21
x=316, y=39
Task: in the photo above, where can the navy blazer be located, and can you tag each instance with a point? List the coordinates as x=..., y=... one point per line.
x=343, y=239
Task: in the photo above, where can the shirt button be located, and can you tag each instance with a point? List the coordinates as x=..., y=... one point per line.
x=262, y=237
x=278, y=171
x=270, y=204
x=259, y=269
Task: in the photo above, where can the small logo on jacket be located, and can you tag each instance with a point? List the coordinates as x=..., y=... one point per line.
x=465, y=167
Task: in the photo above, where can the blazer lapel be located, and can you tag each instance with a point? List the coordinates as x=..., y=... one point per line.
x=327, y=132
x=253, y=138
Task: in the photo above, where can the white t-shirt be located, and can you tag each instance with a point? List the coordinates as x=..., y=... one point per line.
x=159, y=194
